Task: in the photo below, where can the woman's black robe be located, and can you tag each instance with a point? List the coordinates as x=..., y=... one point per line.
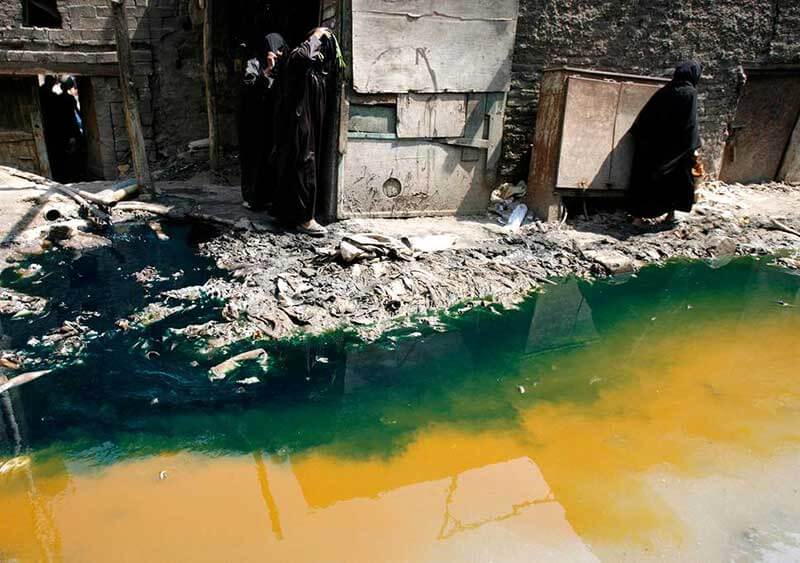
x=307, y=79
x=256, y=126
x=666, y=136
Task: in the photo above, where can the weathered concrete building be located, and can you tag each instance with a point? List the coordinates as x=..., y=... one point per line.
x=441, y=96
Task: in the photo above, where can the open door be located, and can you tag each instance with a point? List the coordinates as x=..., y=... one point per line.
x=21, y=134
x=424, y=115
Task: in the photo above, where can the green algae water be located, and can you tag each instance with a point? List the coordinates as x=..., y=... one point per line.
x=653, y=416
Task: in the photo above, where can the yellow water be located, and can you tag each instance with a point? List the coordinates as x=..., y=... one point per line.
x=698, y=445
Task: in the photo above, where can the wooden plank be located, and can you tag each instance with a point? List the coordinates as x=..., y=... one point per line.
x=632, y=99
x=433, y=45
x=790, y=169
x=588, y=134
x=495, y=106
x=130, y=98
x=432, y=179
x=431, y=116
x=38, y=132
x=209, y=75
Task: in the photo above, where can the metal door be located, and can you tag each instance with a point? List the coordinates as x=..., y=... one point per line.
x=765, y=118
x=596, y=145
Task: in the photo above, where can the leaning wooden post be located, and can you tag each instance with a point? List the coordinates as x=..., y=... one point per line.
x=211, y=85
x=130, y=99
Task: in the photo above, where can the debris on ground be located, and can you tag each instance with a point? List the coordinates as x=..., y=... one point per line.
x=221, y=371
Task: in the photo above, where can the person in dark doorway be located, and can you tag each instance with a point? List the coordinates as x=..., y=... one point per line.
x=72, y=140
x=256, y=121
x=307, y=82
x=666, y=136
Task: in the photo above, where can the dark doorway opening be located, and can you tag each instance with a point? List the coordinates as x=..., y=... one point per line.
x=243, y=26
x=40, y=13
x=65, y=128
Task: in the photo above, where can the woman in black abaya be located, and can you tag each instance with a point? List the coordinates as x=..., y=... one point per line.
x=308, y=76
x=256, y=116
x=666, y=134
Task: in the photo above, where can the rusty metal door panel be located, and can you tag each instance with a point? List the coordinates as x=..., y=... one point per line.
x=403, y=178
x=632, y=99
x=588, y=134
x=765, y=118
x=431, y=116
x=790, y=169
x=402, y=46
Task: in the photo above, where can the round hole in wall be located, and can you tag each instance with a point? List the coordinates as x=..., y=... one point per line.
x=392, y=187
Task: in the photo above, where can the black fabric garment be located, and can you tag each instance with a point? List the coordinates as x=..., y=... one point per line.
x=309, y=77
x=666, y=135
x=256, y=116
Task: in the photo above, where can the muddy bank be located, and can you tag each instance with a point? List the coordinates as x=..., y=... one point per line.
x=370, y=276
x=284, y=284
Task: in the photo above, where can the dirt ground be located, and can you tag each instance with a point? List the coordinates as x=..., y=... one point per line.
x=283, y=284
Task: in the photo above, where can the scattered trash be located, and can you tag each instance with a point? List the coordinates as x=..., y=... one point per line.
x=152, y=355
x=509, y=191
x=782, y=303
x=156, y=227
x=154, y=401
x=521, y=389
x=249, y=381
x=162, y=475
x=322, y=360
x=430, y=243
x=517, y=217
x=358, y=247
x=221, y=371
x=22, y=380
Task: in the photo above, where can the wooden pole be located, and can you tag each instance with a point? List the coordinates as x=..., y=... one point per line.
x=130, y=98
x=211, y=85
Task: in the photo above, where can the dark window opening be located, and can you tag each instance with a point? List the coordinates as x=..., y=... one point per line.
x=40, y=13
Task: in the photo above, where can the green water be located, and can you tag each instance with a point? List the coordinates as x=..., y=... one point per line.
x=114, y=402
x=550, y=429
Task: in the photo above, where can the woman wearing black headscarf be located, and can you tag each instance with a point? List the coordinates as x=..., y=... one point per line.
x=666, y=134
x=307, y=79
x=256, y=116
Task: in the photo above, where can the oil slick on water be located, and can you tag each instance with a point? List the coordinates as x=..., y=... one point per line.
x=660, y=420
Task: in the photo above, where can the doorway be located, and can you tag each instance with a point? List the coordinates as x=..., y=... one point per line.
x=241, y=31
x=67, y=132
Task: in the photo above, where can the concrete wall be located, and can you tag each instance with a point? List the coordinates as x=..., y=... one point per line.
x=166, y=49
x=649, y=38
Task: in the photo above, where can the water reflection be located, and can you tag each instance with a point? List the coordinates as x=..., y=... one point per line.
x=420, y=446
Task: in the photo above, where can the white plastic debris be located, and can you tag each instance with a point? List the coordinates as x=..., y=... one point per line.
x=517, y=217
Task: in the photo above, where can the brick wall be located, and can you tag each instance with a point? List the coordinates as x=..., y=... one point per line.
x=166, y=50
x=646, y=38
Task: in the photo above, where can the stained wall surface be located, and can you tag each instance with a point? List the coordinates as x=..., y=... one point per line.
x=646, y=38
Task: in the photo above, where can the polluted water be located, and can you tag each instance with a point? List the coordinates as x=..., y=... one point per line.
x=646, y=417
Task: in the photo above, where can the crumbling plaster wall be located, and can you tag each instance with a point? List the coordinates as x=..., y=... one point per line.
x=646, y=37
x=166, y=47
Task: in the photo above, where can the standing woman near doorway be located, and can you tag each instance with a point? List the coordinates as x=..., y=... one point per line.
x=256, y=121
x=307, y=81
x=667, y=135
